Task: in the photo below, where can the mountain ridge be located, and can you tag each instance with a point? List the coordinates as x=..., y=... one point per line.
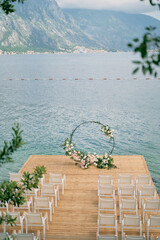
x=42, y=26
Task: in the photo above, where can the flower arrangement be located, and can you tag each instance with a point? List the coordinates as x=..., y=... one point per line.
x=87, y=159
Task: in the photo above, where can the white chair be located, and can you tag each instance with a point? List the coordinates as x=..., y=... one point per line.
x=107, y=221
x=153, y=223
x=26, y=205
x=18, y=221
x=105, y=179
x=50, y=190
x=146, y=192
x=131, y=222
x=34, y=192
x=36, y=219
x=43, y=203
x=125, y=179
x=150, y=205
x=107, y=205
x=106, y=191
x=142, y=180
x=126, y=191
x=127, y=237
x=15, y=177
x=25, y=236
x=4, y=236
x=57, y=179
x=127, y=205
x=107, y=237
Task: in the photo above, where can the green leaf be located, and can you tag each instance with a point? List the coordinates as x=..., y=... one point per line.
x=135, y=70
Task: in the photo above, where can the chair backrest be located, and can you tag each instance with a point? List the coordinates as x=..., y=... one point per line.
x=55, y=177
x=152, y=204
x=105, y=179
x=107, y=219
x=148, y=190
x=106, y=189
x=125, y=179
x=30, y=192
x=15, y=215
x=108, y=237
x=106, y=203
x=132, y=220
x=155, y=221
x=15, y=177
x=143, y=179
x=135, y=237
x=42, y=202
x=23, y=236
x=4, y=236
x=128, y=203
x=127, y=190
x=47, y=189
x=34, y=218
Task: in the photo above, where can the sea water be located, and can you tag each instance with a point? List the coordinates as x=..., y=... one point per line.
x=49, y=108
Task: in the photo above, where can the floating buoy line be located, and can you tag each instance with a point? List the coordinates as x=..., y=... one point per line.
x=84, y=79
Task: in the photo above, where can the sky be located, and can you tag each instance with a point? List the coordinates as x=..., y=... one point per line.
x=135, y=6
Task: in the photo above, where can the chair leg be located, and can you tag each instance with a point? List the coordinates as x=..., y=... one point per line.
x=122, y=233
x=4, y=227
x=63, y=188
x=44, y=232
x=26, y=228
x=147, y=233
x=56, y=199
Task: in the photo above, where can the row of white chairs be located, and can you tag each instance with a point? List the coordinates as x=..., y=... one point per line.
x=129, y=222
x=54, y=178
x=31, y=220
x=40, y=199
x=19, y=236
x=129, y=205
x=127, y=191
x=126, y=179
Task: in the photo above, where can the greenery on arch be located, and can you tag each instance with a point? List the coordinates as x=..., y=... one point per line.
x=87, y=159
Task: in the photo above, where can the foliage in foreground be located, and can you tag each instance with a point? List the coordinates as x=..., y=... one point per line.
x=149, y=50
x=13, y=193
x=12, y=146
x=8, y=6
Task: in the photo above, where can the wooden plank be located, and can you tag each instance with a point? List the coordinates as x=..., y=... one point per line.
x=77, y=211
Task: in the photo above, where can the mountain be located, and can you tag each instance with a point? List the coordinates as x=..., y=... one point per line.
x=110, y=28
x=41, y=25
x=154, y=14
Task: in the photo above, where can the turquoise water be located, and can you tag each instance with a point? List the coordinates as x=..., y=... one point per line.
x=48, y=110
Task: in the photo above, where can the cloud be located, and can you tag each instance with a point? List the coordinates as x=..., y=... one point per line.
x=118, y=5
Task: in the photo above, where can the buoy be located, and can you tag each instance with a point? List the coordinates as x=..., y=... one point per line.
x=104, y=78
x=158, y=78
x=10, y=79
x=36, y=78
x=76, y=78
x=64, y=78
x=118, y=79
x=147, y=78
x=50, y=78
x=90, y=78
x=22, y=78
x=135, y=78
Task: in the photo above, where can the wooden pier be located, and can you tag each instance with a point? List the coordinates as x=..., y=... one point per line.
x=77, y=212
